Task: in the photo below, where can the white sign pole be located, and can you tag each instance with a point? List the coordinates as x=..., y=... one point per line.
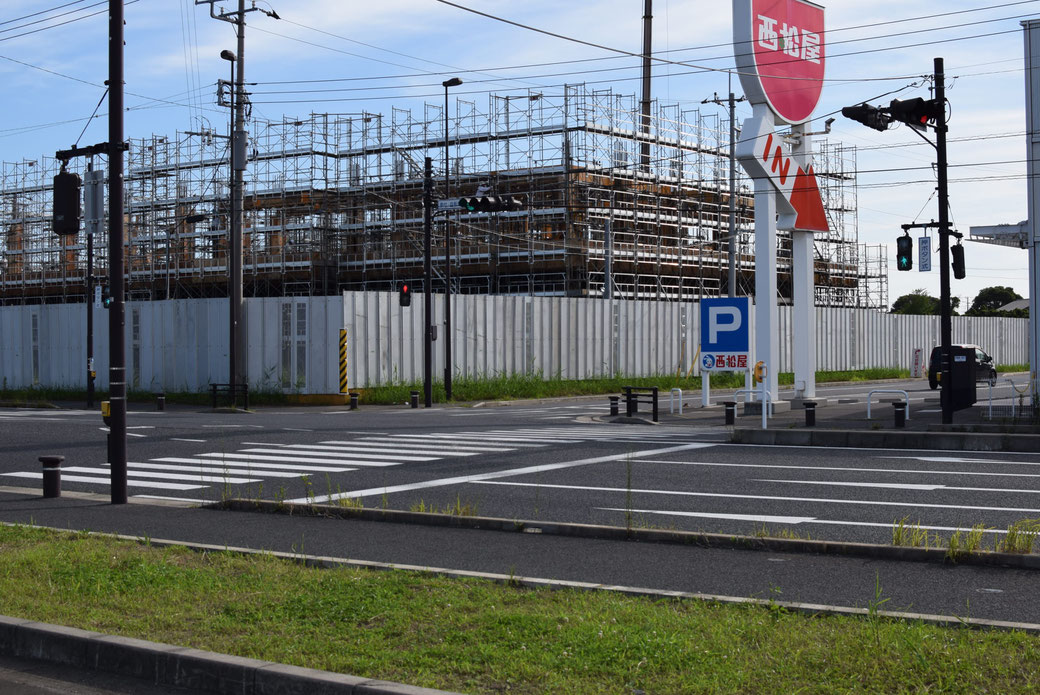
x=767, y=341
x=804, y=278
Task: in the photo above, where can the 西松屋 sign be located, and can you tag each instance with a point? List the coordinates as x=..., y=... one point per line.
x=779, y=46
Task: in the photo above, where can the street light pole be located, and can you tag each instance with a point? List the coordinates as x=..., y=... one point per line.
x=239, y=145
x=453, y=82
x=945, y=305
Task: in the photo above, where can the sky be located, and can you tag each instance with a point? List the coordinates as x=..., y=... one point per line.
x=54, y=53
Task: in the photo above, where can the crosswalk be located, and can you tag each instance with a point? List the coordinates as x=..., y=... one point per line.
x=254, y=462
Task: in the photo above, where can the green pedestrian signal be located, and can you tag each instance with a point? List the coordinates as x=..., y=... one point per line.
x=904, y=253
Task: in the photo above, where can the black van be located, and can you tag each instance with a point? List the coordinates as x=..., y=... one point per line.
x=984, y=369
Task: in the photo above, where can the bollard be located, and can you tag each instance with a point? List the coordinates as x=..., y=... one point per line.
x=415, y=399
x=160, y=401
x=353, y=401
x=52, y=475
x=731, y=412
x=900, y=407
x=613, y=404
x=654, y=411
x=810, y=413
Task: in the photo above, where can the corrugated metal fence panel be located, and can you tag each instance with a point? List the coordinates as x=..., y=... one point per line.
x=183, y=343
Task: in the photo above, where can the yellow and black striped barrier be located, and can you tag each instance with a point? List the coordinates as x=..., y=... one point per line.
x=343, y=360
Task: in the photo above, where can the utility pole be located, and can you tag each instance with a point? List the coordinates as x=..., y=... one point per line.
x=945, y=308
x=117, y=317
x=732, y=277
x=239, y=147
x=644, y=104
x=427, y=283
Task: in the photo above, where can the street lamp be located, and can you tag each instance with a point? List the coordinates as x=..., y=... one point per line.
x=453, y=82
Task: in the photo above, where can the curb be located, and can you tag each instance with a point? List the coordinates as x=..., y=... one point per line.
x=163, y=664
x=868, y=439
x=617, y=533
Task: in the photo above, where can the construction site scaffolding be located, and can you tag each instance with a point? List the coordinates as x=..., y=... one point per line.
x=334, y=202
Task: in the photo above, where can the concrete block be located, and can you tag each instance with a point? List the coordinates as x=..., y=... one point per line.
x=54, y=643
x=209, y=672
x=126, y=656
x=281, y=679
x=9, y=631
x=386, y=688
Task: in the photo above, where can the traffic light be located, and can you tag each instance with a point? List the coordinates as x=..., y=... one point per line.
x=106, y=299
x=405, y=295
x=868, y=115
x=491, y=203
x=917, y=113
x=957, y=252
x=66, y=203
x=904, y=252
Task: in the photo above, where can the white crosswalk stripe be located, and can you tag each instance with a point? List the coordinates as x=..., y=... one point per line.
x=256, y=461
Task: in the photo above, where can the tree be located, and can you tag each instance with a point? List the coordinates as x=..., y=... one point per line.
x=920, y=302
x=990, y=299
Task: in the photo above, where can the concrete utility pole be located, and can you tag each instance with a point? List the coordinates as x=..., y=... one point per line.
x=239, y=147
x=117, y=315
x=644, y=104
x=732, y=277
x=1032, y=59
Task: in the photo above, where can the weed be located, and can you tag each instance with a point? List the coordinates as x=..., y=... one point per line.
x=874, y=607
x=1020, y=537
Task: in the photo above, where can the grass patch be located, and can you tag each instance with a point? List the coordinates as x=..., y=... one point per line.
x=473, y=636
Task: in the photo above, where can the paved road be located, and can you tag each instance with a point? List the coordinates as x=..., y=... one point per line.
x=29, y=677
x=536, y=461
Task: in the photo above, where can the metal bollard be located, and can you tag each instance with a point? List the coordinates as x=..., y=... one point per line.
x=654, y=410
x=415, y=399
x=810, y=413
x=613, y=404
x=900, y=407
x=52, y=475
x=731, y=412
x=160, y=401
x=353, y=401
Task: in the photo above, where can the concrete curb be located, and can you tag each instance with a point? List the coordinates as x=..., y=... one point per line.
x=617, y=533
x=871, y=439
x=163, y=664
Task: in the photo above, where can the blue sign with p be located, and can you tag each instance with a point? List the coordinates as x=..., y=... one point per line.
x=725, y=324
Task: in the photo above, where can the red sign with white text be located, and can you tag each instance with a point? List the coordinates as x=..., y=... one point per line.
x=780, y=54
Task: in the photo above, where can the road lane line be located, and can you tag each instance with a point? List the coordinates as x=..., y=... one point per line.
x=299, y=459
x=901, y=486
x=106, y=481
x=508, y=473
x=163, y=475
x=841, y=468
x=771, y=498
x=324, y=457
x=220, y=470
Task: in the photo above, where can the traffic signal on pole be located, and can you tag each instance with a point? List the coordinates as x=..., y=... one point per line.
x=66, y=203
x=917, y=113
x=868, y=115
x=405, y=295
x=904, y=252
x=491, y=203
x=106, y=299
x=957, y=252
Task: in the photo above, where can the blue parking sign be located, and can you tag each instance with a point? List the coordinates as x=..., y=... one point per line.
x=725, y=333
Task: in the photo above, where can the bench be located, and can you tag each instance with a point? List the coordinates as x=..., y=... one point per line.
x=634, y=395
x=232, y=391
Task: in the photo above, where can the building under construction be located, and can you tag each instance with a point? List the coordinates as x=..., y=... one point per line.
x=334, y=202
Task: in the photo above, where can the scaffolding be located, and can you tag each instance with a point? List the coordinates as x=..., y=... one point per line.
x=334, y=202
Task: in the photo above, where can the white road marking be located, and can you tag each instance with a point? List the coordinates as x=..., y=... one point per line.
x=172, y=499
x=468, y=441
x=795, y=520
x=841, y=468
x=772, y=498
x=322, y=456
x=298, y=459
x=260, y=464
x=962, y=459
x=217, y=470
x=405, y=444
x=889, y=486
x=164, y=475
x=178, y=439
x=106, y=481
x=763, y=518
x=508, y=473
x=382, y=449
x=902, y=486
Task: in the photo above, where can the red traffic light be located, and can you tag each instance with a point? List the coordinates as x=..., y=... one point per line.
x=405, y=295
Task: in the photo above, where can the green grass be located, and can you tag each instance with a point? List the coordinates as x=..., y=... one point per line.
x=474, y=636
